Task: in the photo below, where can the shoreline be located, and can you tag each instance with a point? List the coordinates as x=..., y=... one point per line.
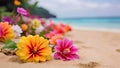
x=97, y=29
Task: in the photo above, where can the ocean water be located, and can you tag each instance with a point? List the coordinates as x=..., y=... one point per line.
x=99, y=22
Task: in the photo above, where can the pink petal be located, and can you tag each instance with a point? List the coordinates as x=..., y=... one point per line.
x=58, y=55
x=73, y=50
x=72, y=56
x=59, y=45
x=67, y=43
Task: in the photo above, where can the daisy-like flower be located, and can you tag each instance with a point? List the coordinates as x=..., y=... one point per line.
x=33, y=49
x=17, y=30
x=6, y=31
x=55, y=38
x=64, y=50
x=36, y=23
x=22, y=11
x=39, y=29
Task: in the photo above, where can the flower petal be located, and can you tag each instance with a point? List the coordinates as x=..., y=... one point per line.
x=73, y=50
x=72, y=56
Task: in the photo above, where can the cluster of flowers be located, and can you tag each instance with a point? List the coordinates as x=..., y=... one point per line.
x=38, y=39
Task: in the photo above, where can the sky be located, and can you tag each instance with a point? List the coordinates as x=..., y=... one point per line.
x=81, y=8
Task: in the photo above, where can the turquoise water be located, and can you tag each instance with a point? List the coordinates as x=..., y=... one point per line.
x=103, y=22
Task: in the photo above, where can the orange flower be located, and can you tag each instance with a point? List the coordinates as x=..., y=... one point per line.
x=17, y=3
x=67, y=28
x=59, y=29
x=6, y=31
x=55, y=38
x=33, y=49
x=24, y=27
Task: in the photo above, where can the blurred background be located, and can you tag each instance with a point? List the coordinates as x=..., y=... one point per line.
x=78, y=13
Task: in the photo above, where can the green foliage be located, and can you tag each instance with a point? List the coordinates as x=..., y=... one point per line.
x=4, y=13
x=42, y=33
x=2, y=9
x=8, y=8
x=34, y=10
x=9, y=44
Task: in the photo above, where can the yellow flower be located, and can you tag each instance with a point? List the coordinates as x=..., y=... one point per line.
x=33, y=49
x=17, y=3
x=36, y=23
x=6, y=31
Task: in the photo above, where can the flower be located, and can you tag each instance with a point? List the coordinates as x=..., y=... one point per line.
x=64, y=50
x=17, y=30
x=59, y=29
x=50, y=34
x=22, y=11
x=17, y=3
x=39, y=29
x=55, y=38
x=35, y=23
x=6, y=31
x=24, y=27
x=67, y=28
x=33, y=49
x=62, y=28
x=7, y=19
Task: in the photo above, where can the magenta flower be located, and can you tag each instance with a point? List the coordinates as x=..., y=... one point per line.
x=64, y=50
x=22, y=11
x=7, y=19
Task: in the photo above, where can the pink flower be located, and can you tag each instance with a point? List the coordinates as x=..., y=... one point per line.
x=22, y=11
x=64, y=50
x=50, y=34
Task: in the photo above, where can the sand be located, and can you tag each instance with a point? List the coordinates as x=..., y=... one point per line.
x=97, y=49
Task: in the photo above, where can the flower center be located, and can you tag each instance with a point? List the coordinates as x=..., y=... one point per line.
x=66, y=51
x=33, y=51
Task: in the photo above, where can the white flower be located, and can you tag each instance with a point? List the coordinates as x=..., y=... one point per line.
x=39, y=29
x=17, y=30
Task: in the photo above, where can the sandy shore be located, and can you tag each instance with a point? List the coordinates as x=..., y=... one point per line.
x=97, y=49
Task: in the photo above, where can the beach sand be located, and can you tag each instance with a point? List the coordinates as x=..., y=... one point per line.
x=97, y=49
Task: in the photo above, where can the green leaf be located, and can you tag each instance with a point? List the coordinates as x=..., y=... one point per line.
x=9, y=44
x=2, y=9
x=35, y=4
x=6, y=14
x=42, y=33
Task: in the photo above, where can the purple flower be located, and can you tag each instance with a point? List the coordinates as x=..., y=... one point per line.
x=64, y=50
x=7, y=19
x=22, y=11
